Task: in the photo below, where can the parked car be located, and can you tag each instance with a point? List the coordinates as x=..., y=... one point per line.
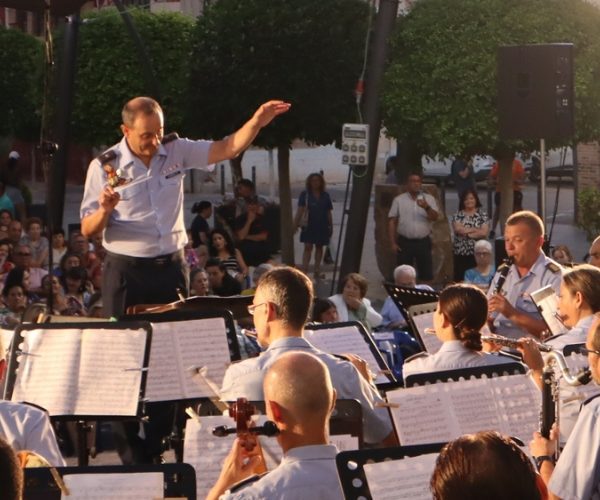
x=440, y=169
x=559, y=163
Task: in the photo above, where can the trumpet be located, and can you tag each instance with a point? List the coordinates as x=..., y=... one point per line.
x=513, y=343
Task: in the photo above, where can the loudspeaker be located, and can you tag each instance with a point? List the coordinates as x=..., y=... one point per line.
x=536, y=91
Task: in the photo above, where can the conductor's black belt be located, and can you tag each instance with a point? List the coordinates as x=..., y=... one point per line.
x=158, y=261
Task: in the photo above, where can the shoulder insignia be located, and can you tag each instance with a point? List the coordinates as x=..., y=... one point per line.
x=246, y=482
x=173, y=136
x=422, y=354
x=554, y=267
x=107, y=156
x=588, y=400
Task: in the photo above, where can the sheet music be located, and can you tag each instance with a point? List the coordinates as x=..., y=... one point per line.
x=444, y=411
x=126, y=486
x=347, y=339
x=81, y=372
x=431, y=341
x=547, y=303
x=405, y=479
x=344, y=442
x=5, y=340
x=178, y=346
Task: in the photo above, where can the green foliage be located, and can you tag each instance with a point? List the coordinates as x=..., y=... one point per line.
x=440, y=88
x=308, y=52
x=109, y=71
x=20, y=83
x=589, y=212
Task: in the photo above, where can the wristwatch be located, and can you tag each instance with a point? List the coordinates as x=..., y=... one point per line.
x=541, y=459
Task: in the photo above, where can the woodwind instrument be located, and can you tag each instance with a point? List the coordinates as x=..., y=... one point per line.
x=512, y=343
x=503, y=273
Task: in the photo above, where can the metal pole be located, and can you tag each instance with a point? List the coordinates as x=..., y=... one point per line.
x=543, y=179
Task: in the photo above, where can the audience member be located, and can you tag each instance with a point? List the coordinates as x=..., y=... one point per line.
x=59, y=300
x=324, y=311
x=22, y=259
x=96, y=268
x=5, y=264
x=77, y=292
x=37, y=243
x=5, y=201
x=68, y=261
x=11, y=474
x=251, y=234
x=245, y=193
x=352, y=304
x=15, y=232
x=562, y=255
x=484, y=270
x=15, y=302
x=299, y=399
x=80, y=245
x=314, y=217
x=221, y=282
x=594, y=253
x=484, y=466
x=513, y=310
x=221, y=246
x=462, y=175
x=16, y=189
x=410, y=224
x=469, y=224
x=460, y=315
x=200, y=228
x=21, y=277
x=518, y=177
x=280, y=309
x=257, y=274
x=59, y=247
x=5, y=219
x=198, y=283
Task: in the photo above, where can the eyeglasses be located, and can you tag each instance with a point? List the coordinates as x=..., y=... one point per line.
x=482, y=254
x=251, y=307
x=585, y=351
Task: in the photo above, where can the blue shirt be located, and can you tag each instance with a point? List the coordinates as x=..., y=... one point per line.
x=148, y=220
x=474, y=277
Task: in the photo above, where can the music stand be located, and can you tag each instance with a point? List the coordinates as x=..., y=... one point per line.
x=512, y=368
x=427, y=343
x=79, y=416
x=350, y=465
x=382, y=365
x=179, y=479
x=405, y=297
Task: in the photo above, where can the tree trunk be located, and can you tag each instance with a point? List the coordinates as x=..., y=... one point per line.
x=505, y=181
x=236, y=168
x=285, y=204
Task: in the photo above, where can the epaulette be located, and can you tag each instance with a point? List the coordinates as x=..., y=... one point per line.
x=107, y=157
x=422, y=354
x=173, y=136
x=247, y=482
x=553, y=267
x=590, y=399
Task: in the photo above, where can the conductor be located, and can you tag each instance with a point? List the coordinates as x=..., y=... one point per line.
x=134, y=195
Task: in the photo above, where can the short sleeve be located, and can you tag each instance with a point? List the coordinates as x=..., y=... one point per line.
x=394, y=209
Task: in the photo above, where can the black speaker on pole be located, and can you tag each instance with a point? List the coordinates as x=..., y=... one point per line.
x=536, y=91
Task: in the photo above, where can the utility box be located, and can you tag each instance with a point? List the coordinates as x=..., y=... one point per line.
x=355, y=144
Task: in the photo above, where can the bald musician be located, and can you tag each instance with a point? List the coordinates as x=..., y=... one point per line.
x=280, y=310
x=299, y=398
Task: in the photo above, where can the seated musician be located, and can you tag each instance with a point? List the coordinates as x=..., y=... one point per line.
x=486, y=466
x=25, y=427
x=458, y=318
x=577, y=472
x=280, y=310
x=299, y=398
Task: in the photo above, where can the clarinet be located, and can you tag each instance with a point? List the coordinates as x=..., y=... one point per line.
x=503, y=270
x=548, y=410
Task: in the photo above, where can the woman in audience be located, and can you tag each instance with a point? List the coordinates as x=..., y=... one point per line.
x=14, y=305
x=69, y=260
x=460, y=314
x=485, y=466
x=198, y=283
x=19, y=276
x=77, y=292
x=221, y=246
x=324, y=311
x=352, y=305
x=562, y=255
x=59, y=247
x=469, y=224
x=5, y=264
x=59, y=301
x=37, y=243
x=484, y=270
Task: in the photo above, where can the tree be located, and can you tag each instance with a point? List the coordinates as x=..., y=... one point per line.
x=440, y=89
x=109, y=71
x=20, y=83
x=309, y=53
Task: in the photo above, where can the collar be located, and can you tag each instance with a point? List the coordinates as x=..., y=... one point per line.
x=452, y=346
x=286, y=342
x=312, y=452
x=127, y=157
x=584, y=323
x=536, y=269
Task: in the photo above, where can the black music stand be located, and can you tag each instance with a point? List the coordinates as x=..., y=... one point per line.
x=417, y=310
x=368, y=338
x=405, y=297
x=81, y=420
x=345, y=419
x=512, y=368
x=179, y=479
x=350, y=465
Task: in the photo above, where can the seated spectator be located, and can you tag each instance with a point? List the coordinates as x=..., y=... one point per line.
x=97, y=266
x=562, y=255
x=95, y=307
x=198, y=283
x=251, y=235
x=245, y=193
x=352, y=305
x=37, y=243
x=5, y=264
x=5, y=220
x=221, y=282
x=460, y=314
x=15, y=302
x=59, y=247
x=22, y=258
x=68, y=261
x=221, y=246
x=484, y=466
x=200, y=229
x=25, y=427
x=21, y=277
x=11, y=474
x=77, y=292
x=59, y=300
x=15, y=232
x=80, y=245
x=257, y=274
x=482, y=274
x=5, y=201
x=324, y=311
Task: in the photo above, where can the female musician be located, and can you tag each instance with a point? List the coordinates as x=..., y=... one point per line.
x=460, y=314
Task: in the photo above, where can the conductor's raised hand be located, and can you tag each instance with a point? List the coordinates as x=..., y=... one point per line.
x=109, y=199
x=269, y=110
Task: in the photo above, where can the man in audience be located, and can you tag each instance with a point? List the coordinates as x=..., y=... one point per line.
x=220, y=281
x=25, y=427
x=252, y=235
x=577, y=472
x=280, y=310
x=595, y=252
x=512, y=310
x=15, y=232
x=299, y=398
x=22, y=259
